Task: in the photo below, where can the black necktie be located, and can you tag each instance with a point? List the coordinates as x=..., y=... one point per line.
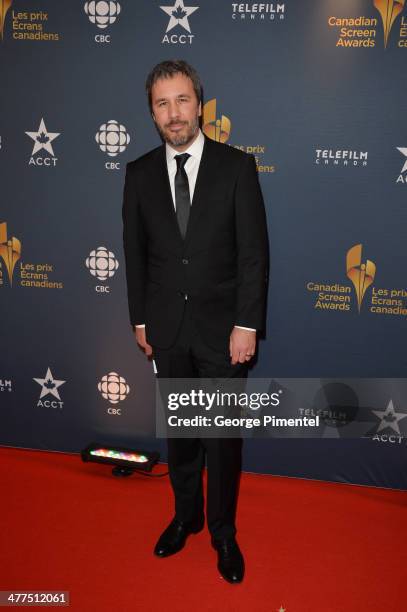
x=182, y=199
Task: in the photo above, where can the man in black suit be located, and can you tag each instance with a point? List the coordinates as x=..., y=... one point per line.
x=196, y=251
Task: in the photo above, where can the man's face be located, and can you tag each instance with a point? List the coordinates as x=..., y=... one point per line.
x=176, y=110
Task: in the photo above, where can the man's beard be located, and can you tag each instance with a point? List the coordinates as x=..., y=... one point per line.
x=178, y=140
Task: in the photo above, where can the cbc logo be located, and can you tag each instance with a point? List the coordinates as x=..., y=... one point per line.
x=112, y=139
x=102, y=14
x=102, y=264
x=115, y=389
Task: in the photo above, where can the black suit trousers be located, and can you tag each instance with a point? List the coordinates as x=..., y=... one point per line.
x=191, y=357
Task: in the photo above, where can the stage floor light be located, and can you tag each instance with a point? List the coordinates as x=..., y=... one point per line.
x=125, y=460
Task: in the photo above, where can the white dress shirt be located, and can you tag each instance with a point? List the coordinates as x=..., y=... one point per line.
x=191, y=168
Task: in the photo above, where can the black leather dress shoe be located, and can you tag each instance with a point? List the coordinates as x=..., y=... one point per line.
x=230, y=559
x=174, y=537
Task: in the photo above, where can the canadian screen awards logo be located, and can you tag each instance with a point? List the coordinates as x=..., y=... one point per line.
x=115, y=389
x=361, y=274
x=102, y=15
x=362, y=31
x=27, y=274
x=112, y=138
x=42, y=145
x=10, y=253
x=402, y=177
x=178, y=15
x=4, y=7
x=258, y=11
x=50, y=387
x=389, y=10
x=30, y=25
x=334, y=296
x=103, y=265
x=216, y=128
x=219, y=128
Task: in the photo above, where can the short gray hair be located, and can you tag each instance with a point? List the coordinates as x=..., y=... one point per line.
x=168, y=69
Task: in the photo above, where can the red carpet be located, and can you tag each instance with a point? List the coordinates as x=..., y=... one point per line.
x=309, y=546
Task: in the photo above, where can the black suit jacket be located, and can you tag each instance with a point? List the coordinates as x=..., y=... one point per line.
x=221, y=266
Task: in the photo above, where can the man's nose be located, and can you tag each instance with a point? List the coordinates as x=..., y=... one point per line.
x=173, y=110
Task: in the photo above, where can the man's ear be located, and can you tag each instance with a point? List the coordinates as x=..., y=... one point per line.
x=200, y=110
x=152, y=114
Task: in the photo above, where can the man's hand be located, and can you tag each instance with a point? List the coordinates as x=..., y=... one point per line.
x=242, y=345
x=140, y=333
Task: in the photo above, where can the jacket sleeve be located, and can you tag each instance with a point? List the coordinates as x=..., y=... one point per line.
x=252, y=248
x=135, y=249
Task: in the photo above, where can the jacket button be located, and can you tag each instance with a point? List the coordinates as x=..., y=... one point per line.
x=185, y=261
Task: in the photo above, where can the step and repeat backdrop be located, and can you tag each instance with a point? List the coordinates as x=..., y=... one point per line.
x=316, y=90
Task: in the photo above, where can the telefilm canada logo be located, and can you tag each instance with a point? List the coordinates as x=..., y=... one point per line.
x=102, y=264
x=42, y=154
x=386, y=22
x=25, y=274
x=33, y=25
x=114, y=389
x=335, y=296
x=258, y=11
x=6, y=385
x=341, y=157
x=113, y=139
x=178, y=27
x=218, y=127
x=102, y=15
x=50, y=395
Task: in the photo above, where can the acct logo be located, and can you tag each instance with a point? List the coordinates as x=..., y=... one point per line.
x=219, y=129
x=363, y=31
x=102, y=14
x=115, y=389
x=389, y=418
x=112, y=138
x=340, y=157
x=179, y=18
x=49, y=386
x=102, y=264
x=43, y=143
x=335, y=296
x=402, y=177
x=258, y=11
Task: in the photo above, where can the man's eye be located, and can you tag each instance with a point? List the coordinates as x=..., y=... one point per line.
x=161, y=104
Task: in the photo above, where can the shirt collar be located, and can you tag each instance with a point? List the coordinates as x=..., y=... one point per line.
x=195, y=149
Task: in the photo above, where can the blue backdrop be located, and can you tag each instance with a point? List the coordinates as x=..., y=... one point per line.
x=316, y=90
